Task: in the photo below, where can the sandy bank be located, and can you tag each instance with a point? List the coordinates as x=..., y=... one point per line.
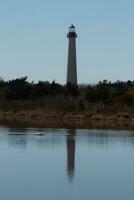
x=69, y=120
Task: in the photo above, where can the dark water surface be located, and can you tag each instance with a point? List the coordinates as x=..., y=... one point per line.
x=66, y=164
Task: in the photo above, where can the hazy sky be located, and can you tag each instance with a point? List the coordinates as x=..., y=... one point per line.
x=33, y=39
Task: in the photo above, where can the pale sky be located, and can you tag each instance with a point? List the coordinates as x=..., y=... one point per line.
x=33, y=39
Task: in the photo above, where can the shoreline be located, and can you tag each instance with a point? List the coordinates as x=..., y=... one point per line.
x=70, y=120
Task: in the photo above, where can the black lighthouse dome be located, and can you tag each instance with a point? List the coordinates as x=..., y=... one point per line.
x=72, y=32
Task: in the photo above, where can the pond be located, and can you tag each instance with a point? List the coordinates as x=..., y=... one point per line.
x=66, y=164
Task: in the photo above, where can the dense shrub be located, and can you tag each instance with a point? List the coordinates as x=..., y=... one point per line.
x=65, y=97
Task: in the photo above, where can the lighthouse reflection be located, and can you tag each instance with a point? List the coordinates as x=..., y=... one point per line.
x=20, y=138
x=70, y=140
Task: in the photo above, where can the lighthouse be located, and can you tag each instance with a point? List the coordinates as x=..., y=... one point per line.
x=72, y=62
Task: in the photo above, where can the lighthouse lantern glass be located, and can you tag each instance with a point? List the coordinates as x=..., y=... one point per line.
x=72, y=29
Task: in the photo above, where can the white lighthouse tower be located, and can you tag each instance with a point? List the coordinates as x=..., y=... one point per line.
x=72, y=63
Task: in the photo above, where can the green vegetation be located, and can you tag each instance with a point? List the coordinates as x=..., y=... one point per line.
x=102, y=98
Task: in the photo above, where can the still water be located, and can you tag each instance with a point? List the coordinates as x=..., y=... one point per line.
x=66, y=164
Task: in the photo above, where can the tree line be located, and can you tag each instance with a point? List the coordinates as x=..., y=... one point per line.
x=104, y=91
